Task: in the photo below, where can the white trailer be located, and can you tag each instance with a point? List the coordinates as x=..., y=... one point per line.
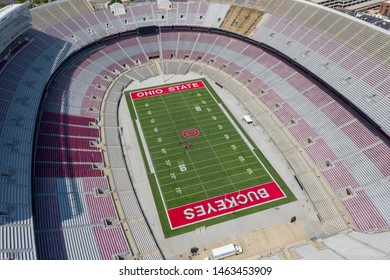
x=225, y=251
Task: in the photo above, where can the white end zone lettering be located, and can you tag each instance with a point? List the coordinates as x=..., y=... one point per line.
x=224, y=204
x=166, y=90
x=148, y=93
x=228, y=202
x=183, y=87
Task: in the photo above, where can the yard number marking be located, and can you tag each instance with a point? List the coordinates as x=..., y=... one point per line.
x=182, y=166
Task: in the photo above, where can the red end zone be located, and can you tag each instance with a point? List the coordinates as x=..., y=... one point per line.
x=224, y=204
x=166, y=90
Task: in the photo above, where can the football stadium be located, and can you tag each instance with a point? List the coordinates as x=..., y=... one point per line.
x=134, y=130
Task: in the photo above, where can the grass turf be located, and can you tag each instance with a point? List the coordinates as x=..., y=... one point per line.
x=222, y=158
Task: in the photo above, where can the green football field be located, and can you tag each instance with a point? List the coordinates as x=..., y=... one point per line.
x=196, y=154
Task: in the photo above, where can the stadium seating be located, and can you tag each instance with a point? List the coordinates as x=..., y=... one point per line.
x=348, y=245
x=322, y=122
x=68, y=168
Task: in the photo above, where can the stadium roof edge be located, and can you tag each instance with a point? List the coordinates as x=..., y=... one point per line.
x=9, y=9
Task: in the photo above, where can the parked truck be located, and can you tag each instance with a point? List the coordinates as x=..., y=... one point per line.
x=225, y=251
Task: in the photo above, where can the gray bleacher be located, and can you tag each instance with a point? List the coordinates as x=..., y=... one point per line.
x=134, y=218
x=309, y=252
x=353, y=249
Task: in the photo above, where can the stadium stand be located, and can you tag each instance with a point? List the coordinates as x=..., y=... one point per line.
x=69, y=80
x=348, y=245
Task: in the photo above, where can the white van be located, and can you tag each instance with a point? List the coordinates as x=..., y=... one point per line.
x=247, y=119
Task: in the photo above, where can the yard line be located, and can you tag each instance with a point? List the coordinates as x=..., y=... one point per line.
x=157, y=121
x=177, y=131
x=218, y=133
x=215, y=154
x=236, y=153
x=170, y=132
x=246, y=140
x=205, y=147
x=181, y=196
x=161, y=108
x=148, y=157
x=200, y=142
x=206, y=115
x=219, y=186
x=211, y=189
x=210, y=173
x=144, y=109
x=200, y=161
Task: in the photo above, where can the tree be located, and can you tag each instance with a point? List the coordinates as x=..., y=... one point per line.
x=114, y=1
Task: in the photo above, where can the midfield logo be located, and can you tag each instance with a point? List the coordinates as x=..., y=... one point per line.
x=189, y=133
